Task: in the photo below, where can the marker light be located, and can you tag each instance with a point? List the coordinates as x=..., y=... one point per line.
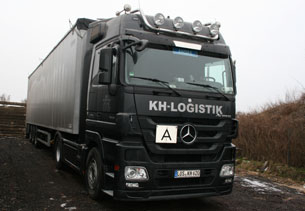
x=159, y=19
x=214, y=28
x=178, y=22
x=136, y=173
x=197, y=26
x=227, y=170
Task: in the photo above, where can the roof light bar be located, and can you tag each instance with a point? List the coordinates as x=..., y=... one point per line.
x=159, y=29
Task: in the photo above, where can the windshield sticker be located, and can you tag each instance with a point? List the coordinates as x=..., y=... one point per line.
x=185, y=52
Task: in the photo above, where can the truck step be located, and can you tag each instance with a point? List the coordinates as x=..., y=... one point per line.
x=110, y=174
x=108, y=192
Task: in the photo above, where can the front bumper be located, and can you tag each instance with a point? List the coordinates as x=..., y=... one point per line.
x=177, y=193
x=162, y=184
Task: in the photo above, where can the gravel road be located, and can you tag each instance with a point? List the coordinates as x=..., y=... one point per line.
x=30, y=181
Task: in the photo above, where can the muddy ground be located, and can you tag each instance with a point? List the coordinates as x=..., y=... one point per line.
x=29, y=181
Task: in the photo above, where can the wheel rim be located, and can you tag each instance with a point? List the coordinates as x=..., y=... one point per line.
x=57, y=152
x=92, y=174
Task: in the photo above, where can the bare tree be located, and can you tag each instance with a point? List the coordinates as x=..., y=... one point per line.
x=5, y=97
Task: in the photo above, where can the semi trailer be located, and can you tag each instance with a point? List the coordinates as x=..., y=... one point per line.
x=143, y=107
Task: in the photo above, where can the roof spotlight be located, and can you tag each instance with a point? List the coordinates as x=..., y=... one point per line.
x=159, y=19
x=197, y=26
x=127, y=8
x=214, y=28
x=178, y=22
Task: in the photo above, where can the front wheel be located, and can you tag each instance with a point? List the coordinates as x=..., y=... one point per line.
x=94, y=173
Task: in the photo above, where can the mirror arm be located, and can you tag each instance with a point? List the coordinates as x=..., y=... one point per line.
x=140, y=44
x=131, y=44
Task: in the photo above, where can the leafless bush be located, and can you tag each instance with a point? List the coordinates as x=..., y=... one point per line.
x=277, y=133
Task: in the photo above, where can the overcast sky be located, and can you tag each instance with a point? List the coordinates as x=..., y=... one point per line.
x=266, y=37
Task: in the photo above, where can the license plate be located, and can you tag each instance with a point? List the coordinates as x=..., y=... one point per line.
x=187, y=173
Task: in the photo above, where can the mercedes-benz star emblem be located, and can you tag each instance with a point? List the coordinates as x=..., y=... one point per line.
x=188, y=134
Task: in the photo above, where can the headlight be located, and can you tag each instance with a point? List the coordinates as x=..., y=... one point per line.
x=227, y=170
x=159, y=19
x=197, y=26
x=178, y=22
x=133, y=173
x=214, y=28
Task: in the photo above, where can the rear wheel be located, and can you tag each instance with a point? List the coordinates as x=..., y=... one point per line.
x=58, y=152
x=94, y=173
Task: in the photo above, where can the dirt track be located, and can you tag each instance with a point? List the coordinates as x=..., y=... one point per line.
x=29, y=181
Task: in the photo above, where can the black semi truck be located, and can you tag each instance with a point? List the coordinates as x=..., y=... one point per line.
x=142, y=106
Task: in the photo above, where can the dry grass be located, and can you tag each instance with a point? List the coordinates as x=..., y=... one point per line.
x=271, y=170
x=277, y=133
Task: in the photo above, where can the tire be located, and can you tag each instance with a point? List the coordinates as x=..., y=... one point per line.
x=94, y=174
x=58, y=152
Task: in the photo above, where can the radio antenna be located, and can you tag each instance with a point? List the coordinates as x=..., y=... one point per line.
x=139, y=5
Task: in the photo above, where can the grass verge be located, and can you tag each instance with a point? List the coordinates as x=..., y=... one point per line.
x=274, y=171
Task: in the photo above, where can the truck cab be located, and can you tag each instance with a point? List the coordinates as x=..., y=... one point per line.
x=160, y=109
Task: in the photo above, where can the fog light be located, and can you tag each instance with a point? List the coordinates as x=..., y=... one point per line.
x=227, y=170
x=132, y=185
x=136, y=173
x=214, y=28
x=159, y=19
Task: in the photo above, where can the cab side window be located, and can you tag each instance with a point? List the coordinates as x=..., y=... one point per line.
x=95, y=71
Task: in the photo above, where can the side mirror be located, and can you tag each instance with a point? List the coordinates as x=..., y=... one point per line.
x=105, y=66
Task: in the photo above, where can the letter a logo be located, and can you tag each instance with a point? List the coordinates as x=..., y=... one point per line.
x=166, y=135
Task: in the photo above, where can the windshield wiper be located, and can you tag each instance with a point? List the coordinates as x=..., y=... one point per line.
x=209, y=86
x=165, y=83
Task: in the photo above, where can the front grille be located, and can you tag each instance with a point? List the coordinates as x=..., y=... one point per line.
x=206, y=134
x=211, y=135
x=183, y=158
x=177, y=120
x=181, y=145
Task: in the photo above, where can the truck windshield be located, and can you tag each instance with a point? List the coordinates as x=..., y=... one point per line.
x=180, y=68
